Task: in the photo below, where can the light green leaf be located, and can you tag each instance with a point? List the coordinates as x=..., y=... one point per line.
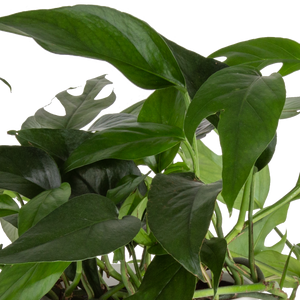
x=126, y=42
x=262, y=52
x=249, y=103
x=291, y=108
x=179, y=213
x=9, y=229
x=84, y=227
x=29, y=281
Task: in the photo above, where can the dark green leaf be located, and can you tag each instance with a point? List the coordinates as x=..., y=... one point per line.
x=178, y=167
x=262, y=52
x=91, y=272
x=165, y=106
x=213, y=253
x=82, y=228
x=100, y=177
x=41, y=205
x=267, y=154
x=26, y=170
x=165, y=279
x=126, y=142
x=291, y=108
x=126, y=42
x=57, y=142
x=7, y=206
x=29, y=281
x=179, y=213
x=5, y=82
x=248, y=103
x=195, y=68
x=80, y=110
x=9, y=229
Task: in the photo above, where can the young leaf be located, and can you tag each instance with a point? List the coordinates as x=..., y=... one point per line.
x=249, y=103
x=80, y=110
x=179, y=213
x=82, y=228
x=262, y=52
x=127, y=142
x=29, y=281
x=165, y=279
x=26, y=170
x=126, y=42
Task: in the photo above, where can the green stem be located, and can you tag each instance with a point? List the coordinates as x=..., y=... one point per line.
x=133, y=276
x=234, y=272
x=124, y=273
x=112, y=291
x=250, y=231
x=293, y=193
x=109, y=268
x=65, y=280
x=20, y=199
x=218, y=224
x=52, y=295
x=76, y=280
x=87, y=286
x=136, y=267
x=243, y=210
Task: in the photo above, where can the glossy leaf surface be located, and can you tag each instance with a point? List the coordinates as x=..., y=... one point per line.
x=262, y=52
x=29, y=281
x=126, y=42
x=165, y=279
x=248, y=103
x=100, y=177
x=41, y=205
x=126, y=142
x=7, y=206
x=165, y=106
x=26, y=170
x=195, y=68
x=84, y=227
x=179, y=213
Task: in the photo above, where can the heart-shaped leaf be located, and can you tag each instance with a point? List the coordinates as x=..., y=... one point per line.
x=26, y=170
x=248, y=103
x=29, y=281
x=82, y=228
x=179, y=213
x=165, y=279
x=126, y=42
x=262, y=52
x=127, y=142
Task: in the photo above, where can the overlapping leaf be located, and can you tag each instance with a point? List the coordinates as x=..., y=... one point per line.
x=29, y=281
x=127, y=142
x=165, y=279
x=41, y=205
x=249, y=103
x=165, y=106
x=26, y=170
x=262, y=52
x=84, y=227
x=291, y=108
x=179, y=213
x=128, y=43
x=7, y=206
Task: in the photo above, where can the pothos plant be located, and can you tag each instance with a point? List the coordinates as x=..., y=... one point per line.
x=71, y=196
